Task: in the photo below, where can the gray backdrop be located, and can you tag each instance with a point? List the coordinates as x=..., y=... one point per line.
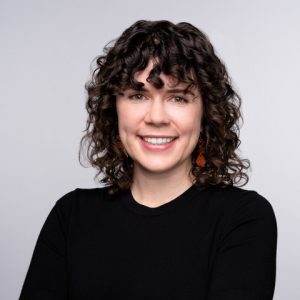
x=46, y=51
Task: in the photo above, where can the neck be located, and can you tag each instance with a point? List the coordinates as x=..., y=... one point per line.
x=154, y=189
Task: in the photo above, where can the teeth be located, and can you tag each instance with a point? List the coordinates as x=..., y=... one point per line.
x=158, y=141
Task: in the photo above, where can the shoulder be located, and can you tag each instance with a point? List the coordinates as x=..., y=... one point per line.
x=246, y=210
x=234, y=203
x=235, y=197
x=81, y=199
x=252, y=202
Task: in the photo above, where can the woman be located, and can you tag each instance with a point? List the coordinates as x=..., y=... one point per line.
x=171, y=222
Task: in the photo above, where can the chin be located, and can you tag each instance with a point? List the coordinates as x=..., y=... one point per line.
x=156, y=168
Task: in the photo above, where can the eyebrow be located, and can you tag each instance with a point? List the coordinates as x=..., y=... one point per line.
x=170, y=91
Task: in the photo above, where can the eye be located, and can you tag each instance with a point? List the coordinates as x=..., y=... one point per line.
x=136, y=97
x=178, y=99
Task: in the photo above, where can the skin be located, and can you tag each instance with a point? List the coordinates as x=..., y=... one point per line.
x=159, y=176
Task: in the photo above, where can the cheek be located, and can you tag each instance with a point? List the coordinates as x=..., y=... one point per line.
x=191, y=122
x=121, y=120
x=198, y=118
x=127, y=119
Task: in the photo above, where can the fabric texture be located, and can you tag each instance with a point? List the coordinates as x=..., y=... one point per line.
x=206, y=244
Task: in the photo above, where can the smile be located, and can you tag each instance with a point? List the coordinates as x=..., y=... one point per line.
x=157, y=141
x=157, y=144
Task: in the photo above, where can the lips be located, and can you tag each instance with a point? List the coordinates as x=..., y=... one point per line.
x=157, y=144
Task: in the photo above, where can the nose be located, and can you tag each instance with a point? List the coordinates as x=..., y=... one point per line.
x=156, y=113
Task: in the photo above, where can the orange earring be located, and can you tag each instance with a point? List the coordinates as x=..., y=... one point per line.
x=200, y=161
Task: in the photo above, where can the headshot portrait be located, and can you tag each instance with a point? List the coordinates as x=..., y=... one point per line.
x=163, y=129
x=157, y=175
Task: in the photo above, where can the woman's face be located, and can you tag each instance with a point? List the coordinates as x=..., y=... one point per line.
x=159, y=128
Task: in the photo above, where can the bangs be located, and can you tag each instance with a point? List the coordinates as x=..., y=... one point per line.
x=167, y=55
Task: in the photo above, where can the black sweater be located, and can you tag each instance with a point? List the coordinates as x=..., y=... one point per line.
x=214, y=243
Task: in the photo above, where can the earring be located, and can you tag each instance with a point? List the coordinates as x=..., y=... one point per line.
x=200, y=161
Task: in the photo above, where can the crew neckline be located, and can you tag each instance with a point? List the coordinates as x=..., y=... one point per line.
x=179, y=201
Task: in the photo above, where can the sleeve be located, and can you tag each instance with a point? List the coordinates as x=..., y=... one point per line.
x=47, y=274
x=245, y=262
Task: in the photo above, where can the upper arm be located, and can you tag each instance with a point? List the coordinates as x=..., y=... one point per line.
x=245, y=263
x=47, y=274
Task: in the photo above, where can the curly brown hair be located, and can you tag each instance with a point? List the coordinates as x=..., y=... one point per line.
x=180, y=50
